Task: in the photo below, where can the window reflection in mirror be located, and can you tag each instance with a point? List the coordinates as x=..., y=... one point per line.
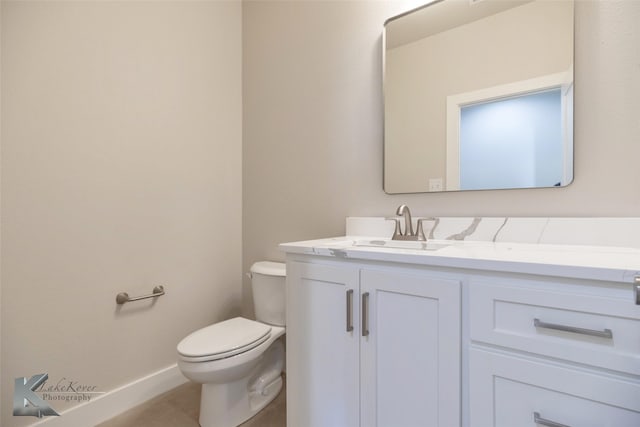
x=448, y=56
x=513, y=142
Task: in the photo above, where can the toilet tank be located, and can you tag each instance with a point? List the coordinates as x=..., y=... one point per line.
x=268, y=286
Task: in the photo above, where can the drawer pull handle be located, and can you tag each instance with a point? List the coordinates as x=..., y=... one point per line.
x=601, y=334
x=548, y=423
x=365, y=314
x=636, y=289
x=350, y=310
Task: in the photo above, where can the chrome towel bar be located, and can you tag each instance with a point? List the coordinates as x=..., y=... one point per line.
x=124, y=297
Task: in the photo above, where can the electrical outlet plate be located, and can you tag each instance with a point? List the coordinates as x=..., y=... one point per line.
x=435, y=184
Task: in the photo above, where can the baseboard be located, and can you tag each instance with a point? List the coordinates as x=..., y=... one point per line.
x=116, y=401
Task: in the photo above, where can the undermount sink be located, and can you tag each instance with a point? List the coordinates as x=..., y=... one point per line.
x=403, y=244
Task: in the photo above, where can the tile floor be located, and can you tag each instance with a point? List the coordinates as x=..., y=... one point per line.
x=179, y=408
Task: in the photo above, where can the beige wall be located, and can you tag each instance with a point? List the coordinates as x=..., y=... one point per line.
x=422, y=74
x=121, y=169
x=313, y=124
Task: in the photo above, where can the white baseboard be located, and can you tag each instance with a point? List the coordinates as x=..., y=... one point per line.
x=116, y=401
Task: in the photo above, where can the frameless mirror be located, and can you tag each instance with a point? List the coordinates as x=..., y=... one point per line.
x=478, y=95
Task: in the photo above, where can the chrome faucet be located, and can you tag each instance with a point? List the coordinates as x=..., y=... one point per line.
x=408, y=234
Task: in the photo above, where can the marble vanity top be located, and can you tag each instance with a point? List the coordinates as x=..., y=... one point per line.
x=617, y=264
x=596, y=262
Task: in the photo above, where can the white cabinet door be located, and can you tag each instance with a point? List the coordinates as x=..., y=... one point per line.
x=510, y=391
x=322, y=356
x=410, y=358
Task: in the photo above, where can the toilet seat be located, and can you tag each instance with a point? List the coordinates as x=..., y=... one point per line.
x=222, y=340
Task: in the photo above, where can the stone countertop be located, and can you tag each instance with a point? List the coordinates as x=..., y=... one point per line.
x=605, y=263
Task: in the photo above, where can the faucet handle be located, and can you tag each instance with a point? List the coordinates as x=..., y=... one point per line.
x=396, y=232
x=420, y=230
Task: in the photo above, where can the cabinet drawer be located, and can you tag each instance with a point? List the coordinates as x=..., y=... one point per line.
x=508, y=391
x=587, y=329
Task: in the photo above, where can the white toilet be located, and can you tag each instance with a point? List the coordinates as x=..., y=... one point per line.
x=239, y=361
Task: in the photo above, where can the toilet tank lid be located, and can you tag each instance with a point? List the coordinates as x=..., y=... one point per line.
x=269, y=268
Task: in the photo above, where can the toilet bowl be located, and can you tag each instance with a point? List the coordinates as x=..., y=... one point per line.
x=239, y=361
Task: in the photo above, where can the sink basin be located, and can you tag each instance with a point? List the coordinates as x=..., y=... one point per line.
x=403, y=244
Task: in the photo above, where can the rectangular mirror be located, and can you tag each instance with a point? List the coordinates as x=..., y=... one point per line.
x=478, y=95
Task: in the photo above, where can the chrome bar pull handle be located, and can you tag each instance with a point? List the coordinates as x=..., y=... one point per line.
x=636, y=289
x=606, y=333
x=350, y=310
x=544, y=422
x=124, y=297
x=365, y=314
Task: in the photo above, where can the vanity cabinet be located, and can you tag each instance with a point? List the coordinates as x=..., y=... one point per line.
x=378, y=343
x=371, y=346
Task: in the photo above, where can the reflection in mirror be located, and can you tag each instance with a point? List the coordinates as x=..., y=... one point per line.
x=479, y=95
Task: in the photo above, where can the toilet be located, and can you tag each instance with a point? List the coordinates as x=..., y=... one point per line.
x=239, y=361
